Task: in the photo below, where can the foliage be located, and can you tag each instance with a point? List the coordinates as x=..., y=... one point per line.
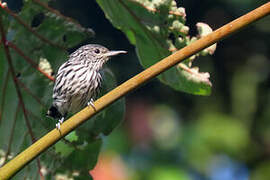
x=157, y=29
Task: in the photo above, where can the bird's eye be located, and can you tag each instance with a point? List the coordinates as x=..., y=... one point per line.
x=97, y=51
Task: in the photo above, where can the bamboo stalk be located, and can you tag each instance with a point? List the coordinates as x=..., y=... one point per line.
x=17, y=163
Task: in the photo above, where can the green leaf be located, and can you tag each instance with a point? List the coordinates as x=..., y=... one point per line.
x=63, y=149
x=83, y=158
x=72, y=136
x=149, y=25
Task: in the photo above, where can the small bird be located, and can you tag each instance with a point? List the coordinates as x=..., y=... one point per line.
x=78, y=80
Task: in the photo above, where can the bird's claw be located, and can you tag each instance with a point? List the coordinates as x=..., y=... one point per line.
x=91, y=103
x=60, y=121
x=58, y=126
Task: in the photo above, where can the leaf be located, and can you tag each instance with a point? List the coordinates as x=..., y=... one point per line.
x=156, y=28
x=63, y=149
x=72, y=136
x=83, y=158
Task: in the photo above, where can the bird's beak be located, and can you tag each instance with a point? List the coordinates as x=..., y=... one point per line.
x=114, y=53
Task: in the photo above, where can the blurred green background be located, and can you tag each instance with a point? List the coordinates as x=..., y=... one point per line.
x=176, y=136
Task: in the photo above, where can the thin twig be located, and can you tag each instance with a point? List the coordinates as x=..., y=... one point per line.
x=21, y=21
x=17, y=163
x=11, y=68
x=39, y=169
x=30, y=61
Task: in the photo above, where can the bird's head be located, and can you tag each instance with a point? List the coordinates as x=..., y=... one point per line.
x=94, y=54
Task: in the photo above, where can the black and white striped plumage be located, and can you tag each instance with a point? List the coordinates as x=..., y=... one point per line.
x=78, y=80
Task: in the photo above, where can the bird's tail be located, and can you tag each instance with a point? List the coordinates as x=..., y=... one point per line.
x=54, y=113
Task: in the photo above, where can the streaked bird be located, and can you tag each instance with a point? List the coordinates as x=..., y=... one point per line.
x=78, y=80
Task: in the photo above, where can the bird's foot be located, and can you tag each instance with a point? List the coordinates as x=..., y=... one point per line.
x=91, y=103
x=60, y=121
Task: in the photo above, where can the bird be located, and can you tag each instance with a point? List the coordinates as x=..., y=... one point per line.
x=78, y=81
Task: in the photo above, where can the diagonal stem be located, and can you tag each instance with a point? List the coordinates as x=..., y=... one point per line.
x=13, y=166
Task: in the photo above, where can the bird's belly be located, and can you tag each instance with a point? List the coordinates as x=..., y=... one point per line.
x=83, y=95
x=77, y=102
